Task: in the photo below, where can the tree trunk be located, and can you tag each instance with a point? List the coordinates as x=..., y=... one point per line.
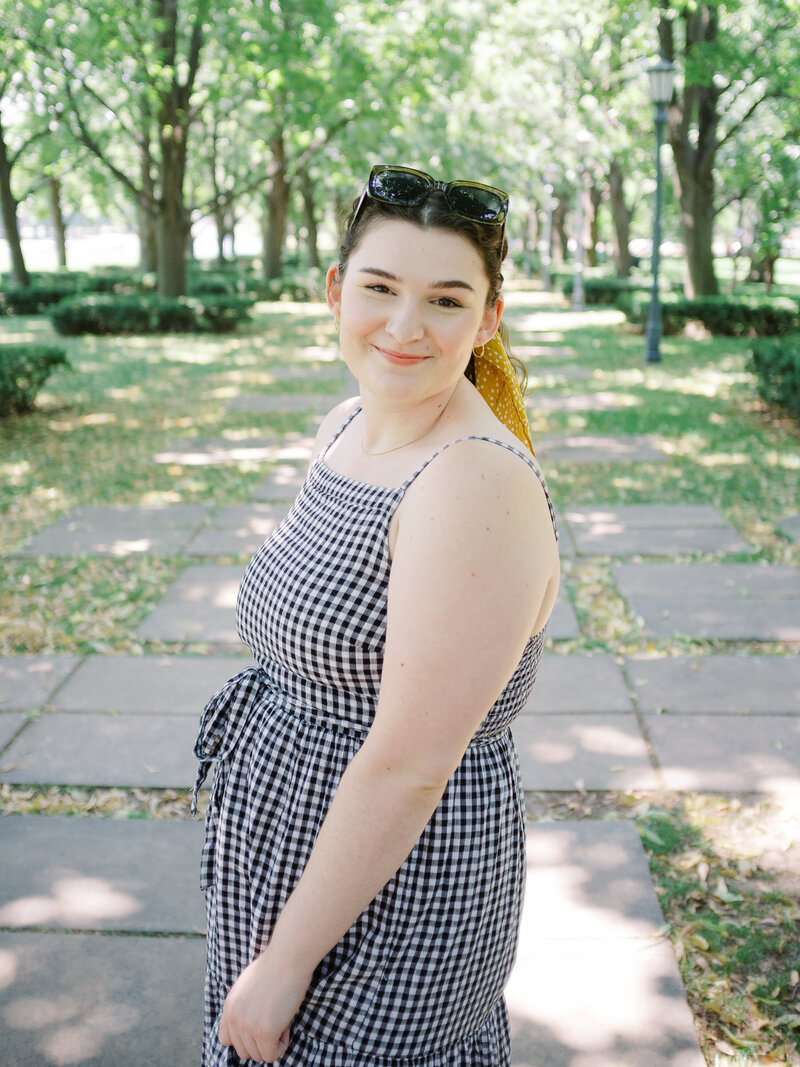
x=692, y=124
x=594, y=197
x=621, y=220
x=148, y=243
x=277, y=210
x=8, y=210
x=696, y=198
x=59, y=226
x=560, y=252
x=309, y=214
x=762, y=269
x=172, y=223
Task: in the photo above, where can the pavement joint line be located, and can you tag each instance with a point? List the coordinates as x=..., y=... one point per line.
x=166, y=935
x=30, y=716
x=641, y=723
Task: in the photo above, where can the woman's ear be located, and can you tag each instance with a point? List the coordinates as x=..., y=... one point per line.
x=333, y=290
x=489, y=323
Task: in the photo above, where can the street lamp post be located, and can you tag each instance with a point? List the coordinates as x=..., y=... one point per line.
x=662, y=76
x=547, y=259
x=584, y=138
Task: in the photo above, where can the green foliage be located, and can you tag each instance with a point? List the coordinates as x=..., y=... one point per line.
x=148, y=314
x=775, y=361
x=24, y=368
x=302, y=285
x=614, y=292
x=731, y=316
x=35, y=298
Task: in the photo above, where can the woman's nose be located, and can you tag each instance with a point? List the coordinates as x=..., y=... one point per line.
x=405, y=323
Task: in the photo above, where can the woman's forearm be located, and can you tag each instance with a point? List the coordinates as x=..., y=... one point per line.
x=376, y=817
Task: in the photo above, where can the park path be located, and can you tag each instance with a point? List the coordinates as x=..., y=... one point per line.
x=101, y=923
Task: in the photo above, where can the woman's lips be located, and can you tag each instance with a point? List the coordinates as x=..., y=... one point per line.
x=400, y=359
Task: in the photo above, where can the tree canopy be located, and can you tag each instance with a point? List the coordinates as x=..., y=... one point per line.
x=181, y=110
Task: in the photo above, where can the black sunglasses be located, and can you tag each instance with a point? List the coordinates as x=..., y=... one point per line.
x=407, y=187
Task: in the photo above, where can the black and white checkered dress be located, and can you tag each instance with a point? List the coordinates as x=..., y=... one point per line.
x=417, y=981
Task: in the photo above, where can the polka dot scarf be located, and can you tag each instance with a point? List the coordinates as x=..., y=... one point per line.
x=498, y=385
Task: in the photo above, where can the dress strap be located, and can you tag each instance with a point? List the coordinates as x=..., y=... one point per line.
x=340, y=431
x=525, y=456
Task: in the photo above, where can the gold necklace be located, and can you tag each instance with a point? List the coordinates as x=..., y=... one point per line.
x=413, y=440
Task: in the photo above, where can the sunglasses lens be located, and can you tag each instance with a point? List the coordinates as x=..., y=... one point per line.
x=476, y=202
x=399, y=187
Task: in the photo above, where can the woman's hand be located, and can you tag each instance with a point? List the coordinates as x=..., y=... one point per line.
x=259, y=1008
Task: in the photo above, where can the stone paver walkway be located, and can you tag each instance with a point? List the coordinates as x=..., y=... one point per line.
x=723, y=600
x=594, y=448
x=80, y=899
x=593, y=979
x=652, y=529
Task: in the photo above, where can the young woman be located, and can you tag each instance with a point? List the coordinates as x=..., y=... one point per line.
x=364, y=858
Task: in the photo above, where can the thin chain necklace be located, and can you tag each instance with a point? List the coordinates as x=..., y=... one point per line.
x=413, y=440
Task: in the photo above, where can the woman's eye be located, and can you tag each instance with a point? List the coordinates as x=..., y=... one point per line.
x=379, y=288
x=448, y=302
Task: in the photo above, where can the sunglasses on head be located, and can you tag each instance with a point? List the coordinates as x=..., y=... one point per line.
x=407, y=187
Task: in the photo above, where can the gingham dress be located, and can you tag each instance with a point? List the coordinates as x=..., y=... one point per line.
x=417, y=981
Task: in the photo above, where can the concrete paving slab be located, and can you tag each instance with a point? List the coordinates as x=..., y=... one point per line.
x=104, y=750
x=588, y=448
x=206, y=452
x=717, y=684
x=119, y=530
x=603, y=751
x=199, y=606
x=566, y=546
x=540, y=351
x=585, y=1004
x=589, y=879
x=791, y=526
x=311, y=363
x=728, y=753
x=577, y=683
x=281, y=403
x=61, y=872
x=147, y=685
x=563, y=622
x=652, y=530
x=94, y=1000
x=548, y=377
x=574, y=402
x=11, y=722
x=27, y=682
x=236, y=529
x=283, y=483
x=724, y=600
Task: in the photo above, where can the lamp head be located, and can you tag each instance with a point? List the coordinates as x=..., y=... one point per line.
x=662, y=80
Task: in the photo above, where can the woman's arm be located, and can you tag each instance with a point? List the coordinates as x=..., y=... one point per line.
x=474, y=562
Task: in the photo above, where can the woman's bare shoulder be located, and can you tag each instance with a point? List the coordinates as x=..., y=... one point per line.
x=473, y=480
x=333, y=421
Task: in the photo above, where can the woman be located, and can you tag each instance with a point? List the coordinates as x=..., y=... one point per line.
x=364, y=857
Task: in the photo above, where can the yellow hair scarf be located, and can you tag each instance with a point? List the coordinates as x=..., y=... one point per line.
x=499, y=386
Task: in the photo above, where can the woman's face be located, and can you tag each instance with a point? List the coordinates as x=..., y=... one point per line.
x=411, y=307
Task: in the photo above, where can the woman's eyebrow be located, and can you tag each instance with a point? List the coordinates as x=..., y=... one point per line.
x=455, y=283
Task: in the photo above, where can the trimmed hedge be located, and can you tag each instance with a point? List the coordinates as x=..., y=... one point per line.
x=608, y=292
x=775, y=361
x=730, y=316
x=145, y=313
x=34, y=299
x=23, y=371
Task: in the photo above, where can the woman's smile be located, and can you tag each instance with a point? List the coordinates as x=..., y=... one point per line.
x=400, y=359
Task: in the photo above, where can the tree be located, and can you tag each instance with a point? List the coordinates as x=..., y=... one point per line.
x=733, y=57
x=130, y=83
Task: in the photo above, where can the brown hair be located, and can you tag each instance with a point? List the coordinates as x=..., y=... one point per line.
x=433, y=213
